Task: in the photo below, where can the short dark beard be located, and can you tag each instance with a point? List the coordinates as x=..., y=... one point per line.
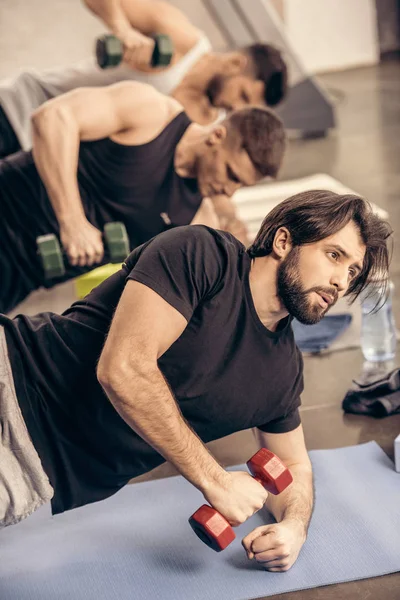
x=292, y=294
x=214, y=88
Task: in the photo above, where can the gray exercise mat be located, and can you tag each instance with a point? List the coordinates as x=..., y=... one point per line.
x=138, y=544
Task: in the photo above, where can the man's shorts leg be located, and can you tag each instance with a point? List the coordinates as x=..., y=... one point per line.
x=24, y=486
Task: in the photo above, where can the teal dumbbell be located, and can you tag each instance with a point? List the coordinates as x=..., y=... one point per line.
x=52, y=256
x=109, y=51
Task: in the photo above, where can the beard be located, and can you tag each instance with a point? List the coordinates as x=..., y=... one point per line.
x=295, y=298
x=214, y=88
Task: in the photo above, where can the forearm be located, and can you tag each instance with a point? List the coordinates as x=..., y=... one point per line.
x=55, y=152
x=296, y=502
x=150, y=409
x=112, y=14
x=226, y=213
x=237, y=228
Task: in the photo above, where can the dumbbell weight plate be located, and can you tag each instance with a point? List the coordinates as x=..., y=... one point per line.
x=51, y=255
x=163, y=51
x=117, y=241
x=109, y=51
x=212, y=528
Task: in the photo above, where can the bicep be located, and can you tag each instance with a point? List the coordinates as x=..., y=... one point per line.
x=290, y=447
x=144, y=326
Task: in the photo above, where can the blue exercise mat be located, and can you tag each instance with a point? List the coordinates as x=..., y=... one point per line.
x=138, y=545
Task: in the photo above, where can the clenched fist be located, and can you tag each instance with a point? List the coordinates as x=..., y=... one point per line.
x=82, y=242
x=276, y=547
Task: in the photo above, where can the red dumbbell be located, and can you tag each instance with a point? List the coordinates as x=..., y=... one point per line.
x=212, y=528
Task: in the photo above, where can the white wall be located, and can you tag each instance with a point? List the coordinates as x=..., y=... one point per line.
x=330, y=35
x=45, y=33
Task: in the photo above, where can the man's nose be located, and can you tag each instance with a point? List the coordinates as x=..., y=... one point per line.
x=340, y=279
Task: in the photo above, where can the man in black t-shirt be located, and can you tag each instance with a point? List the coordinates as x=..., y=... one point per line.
x=189, y=342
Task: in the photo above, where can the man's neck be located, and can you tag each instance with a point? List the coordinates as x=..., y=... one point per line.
x=263, y=287
x=186, y=152
x=191, y=92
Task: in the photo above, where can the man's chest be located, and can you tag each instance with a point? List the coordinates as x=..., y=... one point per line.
x=232, y=381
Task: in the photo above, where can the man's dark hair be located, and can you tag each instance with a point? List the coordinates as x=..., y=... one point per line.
x=261, y=133
x=270, y=68
x=314, y=215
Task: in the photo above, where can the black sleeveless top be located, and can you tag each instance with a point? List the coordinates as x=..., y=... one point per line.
x=137, y=185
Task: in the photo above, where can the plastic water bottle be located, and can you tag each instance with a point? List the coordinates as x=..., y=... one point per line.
x=378, y=329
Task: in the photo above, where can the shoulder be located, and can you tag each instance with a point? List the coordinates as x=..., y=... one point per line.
x=201, y=242
x=140, y=105
x=144, y=94
x=210, y=236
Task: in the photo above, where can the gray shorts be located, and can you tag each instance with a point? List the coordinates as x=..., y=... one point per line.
x=24, y=486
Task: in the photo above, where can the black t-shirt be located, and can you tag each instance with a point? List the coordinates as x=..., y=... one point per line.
x=137, y=185
x=226, y=370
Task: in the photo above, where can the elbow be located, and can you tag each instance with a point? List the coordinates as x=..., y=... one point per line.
x=107, y=375
x=47, y=118
x=115, y=375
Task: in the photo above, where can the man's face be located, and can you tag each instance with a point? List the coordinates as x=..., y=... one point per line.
x=231, y=92
x=314, y=276
x=222, y=168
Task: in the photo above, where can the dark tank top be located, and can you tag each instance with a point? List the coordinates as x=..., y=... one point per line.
x=137, y=185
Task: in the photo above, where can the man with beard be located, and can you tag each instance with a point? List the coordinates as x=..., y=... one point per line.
x=123, y=153
x=203, y=81
x=189, y=342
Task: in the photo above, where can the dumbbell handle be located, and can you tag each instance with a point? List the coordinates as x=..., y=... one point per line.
x=212, y=528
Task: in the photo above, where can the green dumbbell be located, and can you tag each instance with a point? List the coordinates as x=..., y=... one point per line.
x=51, y=254
x=109, y=51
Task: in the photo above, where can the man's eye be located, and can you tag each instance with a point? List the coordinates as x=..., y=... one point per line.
x=334, y=255
x=232, y=176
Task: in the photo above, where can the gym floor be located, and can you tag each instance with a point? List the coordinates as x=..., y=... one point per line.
x=363, y=153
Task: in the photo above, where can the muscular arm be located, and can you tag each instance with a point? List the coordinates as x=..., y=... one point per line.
x=143, y=328
x=147, y=17
x=58, y=126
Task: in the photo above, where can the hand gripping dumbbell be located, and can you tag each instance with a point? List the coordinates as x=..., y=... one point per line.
x=110, y=50
x=212, y=528
x=50, y=252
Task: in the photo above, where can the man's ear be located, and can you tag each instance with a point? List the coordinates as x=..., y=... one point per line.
x=216, y=136
x=282, y=243
x=235, y=63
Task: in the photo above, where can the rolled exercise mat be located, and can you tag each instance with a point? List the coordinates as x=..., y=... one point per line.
x=138, y=545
